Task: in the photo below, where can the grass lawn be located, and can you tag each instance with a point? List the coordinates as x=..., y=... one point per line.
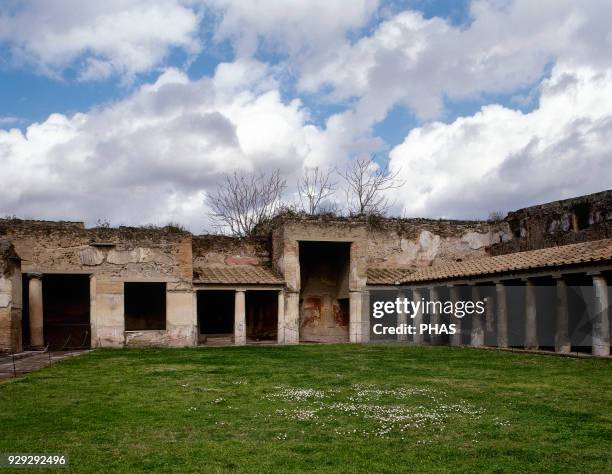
x=348, y=408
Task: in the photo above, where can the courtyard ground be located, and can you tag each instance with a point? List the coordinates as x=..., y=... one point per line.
x=339, y=408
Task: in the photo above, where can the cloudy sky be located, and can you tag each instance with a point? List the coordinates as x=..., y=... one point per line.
x=130, y=110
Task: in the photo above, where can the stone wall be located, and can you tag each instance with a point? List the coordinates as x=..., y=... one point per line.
x=10, y=299
x=287, y=233
x=222, y=250
x=124, y=252
x=112, y=256
x=558, y=223
x=410, y=243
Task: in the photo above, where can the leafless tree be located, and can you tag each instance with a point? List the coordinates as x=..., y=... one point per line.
x=366, y=183
x=314, y=186
x=241, y=201
x=496, y=217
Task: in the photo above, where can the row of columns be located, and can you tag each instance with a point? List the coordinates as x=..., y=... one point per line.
x=35, y=304
x=600, y=329
x=496, y=317
x=240, y=329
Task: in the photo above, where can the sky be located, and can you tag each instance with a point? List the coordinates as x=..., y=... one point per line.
x=130, y=111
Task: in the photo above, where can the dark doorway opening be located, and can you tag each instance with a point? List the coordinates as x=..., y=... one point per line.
x=261, y=315
x=145, y=306
x=216, y=315
x=324, y=281
x=66, y=323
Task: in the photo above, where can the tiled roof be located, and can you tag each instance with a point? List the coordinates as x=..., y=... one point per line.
x=584, y=252
x=237, y=275
x=386, y=276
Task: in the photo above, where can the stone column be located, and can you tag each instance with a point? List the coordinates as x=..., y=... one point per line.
x=418, y=317
x=280, y=336
x=477, y=333
x=490, y=323
x=35, y=303
x=291, y=328
x=502, y=314
x=93, y=319
x=354, y=317
x=562, y=340
x=366, y=310
x=455, y=339
x=359, y=322
x=434, y=317
x=194, y=318
x=402, y=316
x=531, y=323
x=601, y=322
x=239, y=318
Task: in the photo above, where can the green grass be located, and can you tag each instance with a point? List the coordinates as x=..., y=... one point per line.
x=345, y=408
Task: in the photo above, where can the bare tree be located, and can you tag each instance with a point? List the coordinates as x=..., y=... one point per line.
x=496, y=217
x=314, y=186
x=244, y=200
x=366, y=183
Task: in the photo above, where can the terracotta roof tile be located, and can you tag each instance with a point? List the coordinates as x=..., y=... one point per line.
x=237, y=275
x=386, y=276
x=584, y=252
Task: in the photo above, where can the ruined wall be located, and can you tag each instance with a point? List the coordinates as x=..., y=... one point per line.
x=10, y=299
x=124, y=252
x=221, y=250
x=558, y=223
x=112, y=256
x=410, y=243
x=375, y=242
x=287, y=233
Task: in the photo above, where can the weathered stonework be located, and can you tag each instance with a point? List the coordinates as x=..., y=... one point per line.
x=410, y=243
x=220, y=250
x=112, y=257
x=10, y=298
x=558, y=223
x=316, y=267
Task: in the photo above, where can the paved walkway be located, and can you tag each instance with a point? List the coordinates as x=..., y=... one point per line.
x=29, y=361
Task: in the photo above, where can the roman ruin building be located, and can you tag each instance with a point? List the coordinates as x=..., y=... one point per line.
x=310, y=279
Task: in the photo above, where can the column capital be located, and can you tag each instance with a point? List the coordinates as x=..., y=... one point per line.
x=35, y=275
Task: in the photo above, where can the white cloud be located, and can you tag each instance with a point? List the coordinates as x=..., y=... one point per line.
x=152, y=156
x=294, y=27
x=124, y=37
x=502, y=159
x=420, y=62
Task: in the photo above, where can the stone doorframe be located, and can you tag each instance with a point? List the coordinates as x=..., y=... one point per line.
x=286, y=259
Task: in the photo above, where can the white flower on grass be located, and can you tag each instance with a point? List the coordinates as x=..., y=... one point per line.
x=296, y=394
